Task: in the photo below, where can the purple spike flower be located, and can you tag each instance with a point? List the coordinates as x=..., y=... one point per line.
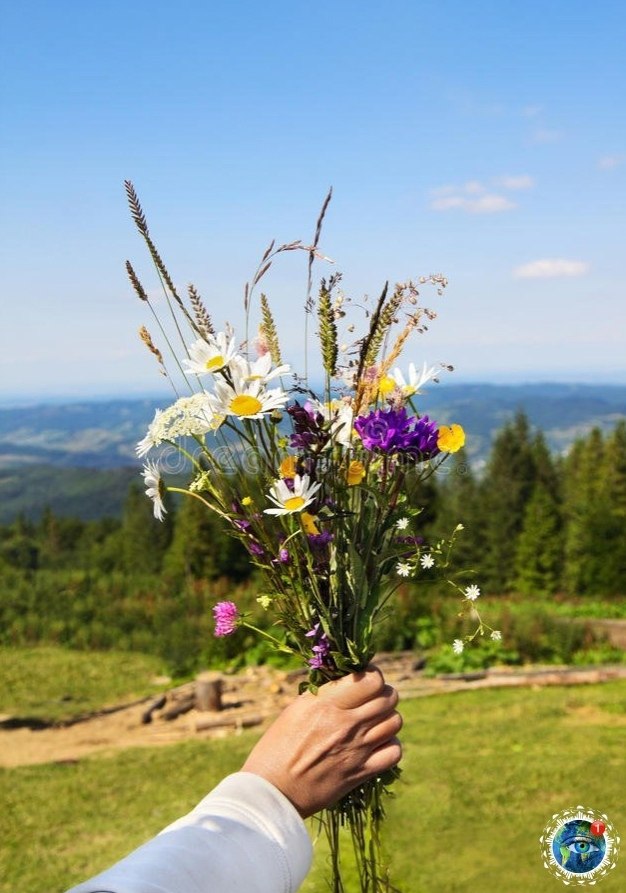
x=321, y=650
x=226, y=615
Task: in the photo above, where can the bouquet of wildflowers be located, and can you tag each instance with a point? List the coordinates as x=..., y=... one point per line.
x=322, y=488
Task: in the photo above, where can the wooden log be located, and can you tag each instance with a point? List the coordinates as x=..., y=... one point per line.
x=178, y=708
x=229, y=722
x=146, y=716
x=208, y=690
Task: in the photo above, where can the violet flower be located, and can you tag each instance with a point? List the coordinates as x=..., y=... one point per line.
x=392, y=431
x=321, y=650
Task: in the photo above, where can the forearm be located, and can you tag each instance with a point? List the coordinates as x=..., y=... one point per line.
x=244, y=836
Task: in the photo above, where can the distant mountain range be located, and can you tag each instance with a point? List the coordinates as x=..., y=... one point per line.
x=79, y=457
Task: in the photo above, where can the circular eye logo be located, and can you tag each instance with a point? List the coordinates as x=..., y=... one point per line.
x=579, y=846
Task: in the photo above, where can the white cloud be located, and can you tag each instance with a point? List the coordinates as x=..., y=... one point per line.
x=521, y=181
x=475, y=198
x=484, y=204
x=545, y=135
x=551, y=268
x=531, y=111
x=610, y=162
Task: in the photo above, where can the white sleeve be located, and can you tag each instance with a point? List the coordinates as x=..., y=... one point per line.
x=244, y=836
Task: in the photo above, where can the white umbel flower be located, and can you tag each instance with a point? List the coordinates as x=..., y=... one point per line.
x=496, y=635
x=416, y=380
x=458, y=646
x=188, y=417
x=154, y=488
x=210, y=355
x=293, y=500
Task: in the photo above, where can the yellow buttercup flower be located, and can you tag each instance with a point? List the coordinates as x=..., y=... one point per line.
x=451, y=438
x=386, y=385
x=247, y=500
x=309, y=523
x=288, y=467
x=356, y=473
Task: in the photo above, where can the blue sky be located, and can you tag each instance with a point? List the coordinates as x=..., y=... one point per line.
x=483, y=140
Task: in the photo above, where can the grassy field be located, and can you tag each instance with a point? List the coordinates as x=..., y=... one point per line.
x=54, y=683
x=483, y=772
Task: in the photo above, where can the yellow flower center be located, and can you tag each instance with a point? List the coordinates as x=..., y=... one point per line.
x=294, y=503
x=215, y=363
x=244, y=404
x=288, y=467
x=356, y=473
x=450, y=438
x=386, y=385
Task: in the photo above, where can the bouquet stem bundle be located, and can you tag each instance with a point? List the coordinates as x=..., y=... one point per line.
x=324, y=490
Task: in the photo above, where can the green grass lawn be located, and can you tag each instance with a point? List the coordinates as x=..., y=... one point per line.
x=483, y=773
x=55, y=683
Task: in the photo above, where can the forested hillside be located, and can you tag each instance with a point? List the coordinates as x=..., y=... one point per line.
x=535, y=524
x=78, y=458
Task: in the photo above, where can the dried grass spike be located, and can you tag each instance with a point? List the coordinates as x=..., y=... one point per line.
x=203, y=320
x=268, y=330
x=145, y=336
x=328, y=331
x=136, y=210
x=136, y=284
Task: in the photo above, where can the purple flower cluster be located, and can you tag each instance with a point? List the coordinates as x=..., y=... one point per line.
x=321, y=649
x=226, y=615
x=392, y=431
x=308, y=425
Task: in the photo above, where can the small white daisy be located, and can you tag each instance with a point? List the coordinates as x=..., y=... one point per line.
x=402, y=523
x=340, y=415
x=416, y=380
x=458, y=646
x=427, y=561
x=496, y=635
x=292, y=500
x=210, y=355
x=154, y=488
x=403, y=569
x=472, y=593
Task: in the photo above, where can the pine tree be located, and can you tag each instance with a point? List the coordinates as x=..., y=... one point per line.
x=539, y=551
x=143, y=539
x=507, y=486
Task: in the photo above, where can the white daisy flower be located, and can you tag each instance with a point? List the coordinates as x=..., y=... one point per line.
x=154, y=488
x=458, y=646
x=472, y=593
x=260, y=370
x=292, y=500
x=245, y=399
x=416, y=380
x=402, y=523
x=210, y=355
x=496, y=635
x=339, y=413
x=187, y=417
x=403, y=569
x=427, y=561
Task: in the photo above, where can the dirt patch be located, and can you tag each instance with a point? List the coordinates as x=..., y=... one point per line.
x=253, y=698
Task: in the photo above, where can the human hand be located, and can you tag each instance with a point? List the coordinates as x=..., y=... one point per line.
x=324, y=745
